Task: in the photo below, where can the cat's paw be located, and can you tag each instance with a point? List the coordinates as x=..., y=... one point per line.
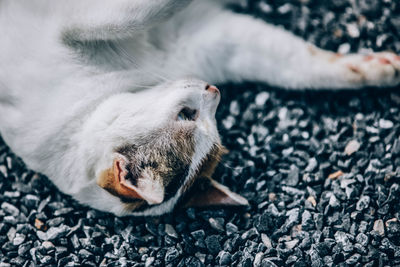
x=376, y=69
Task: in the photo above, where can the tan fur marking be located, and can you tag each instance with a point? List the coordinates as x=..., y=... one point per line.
x=335, y=57
x=109, y=180
x=313, y=51
x=106, y=179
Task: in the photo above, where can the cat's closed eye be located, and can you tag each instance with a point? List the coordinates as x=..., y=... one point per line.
x=187, y=114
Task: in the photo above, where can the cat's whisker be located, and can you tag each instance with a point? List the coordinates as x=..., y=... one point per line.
x=140, y=86
x=228, y=166
x=154, y=73
x=136, y=63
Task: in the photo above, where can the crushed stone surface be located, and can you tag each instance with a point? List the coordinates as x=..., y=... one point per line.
x=321, y=171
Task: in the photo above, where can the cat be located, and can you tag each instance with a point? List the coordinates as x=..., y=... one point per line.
x=108, y=98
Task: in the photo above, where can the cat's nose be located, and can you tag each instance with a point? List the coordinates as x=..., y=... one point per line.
x=212, y=89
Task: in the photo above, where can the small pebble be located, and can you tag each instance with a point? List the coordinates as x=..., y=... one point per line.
x=262, y=98
x=216, y=224
x=169, y=230
x=385, y=124
x=363, y=203
x=224, y=258
x=335, y=175
x=266, y=240
x=351, y=147
x=379, y=227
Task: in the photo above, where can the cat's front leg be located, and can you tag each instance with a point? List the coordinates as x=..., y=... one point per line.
x=353, y=71
x=376, y=69
x=236, y=47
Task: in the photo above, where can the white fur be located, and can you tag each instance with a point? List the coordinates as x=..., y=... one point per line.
x=78, y=78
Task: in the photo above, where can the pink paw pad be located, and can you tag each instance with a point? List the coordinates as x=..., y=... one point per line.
x=368, y=58
x=384, y=61
x=353, y=68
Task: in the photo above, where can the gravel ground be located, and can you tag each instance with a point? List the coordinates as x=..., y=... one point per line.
x=322, y=177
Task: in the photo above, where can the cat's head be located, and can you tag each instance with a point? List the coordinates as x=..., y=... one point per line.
x=162, y=144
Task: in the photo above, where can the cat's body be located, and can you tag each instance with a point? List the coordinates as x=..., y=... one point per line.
x=80, y=80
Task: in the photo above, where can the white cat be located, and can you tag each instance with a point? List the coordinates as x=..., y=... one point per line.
x=95, y=94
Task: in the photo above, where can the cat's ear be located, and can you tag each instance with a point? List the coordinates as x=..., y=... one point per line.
x=207, y=192
x=117, y=181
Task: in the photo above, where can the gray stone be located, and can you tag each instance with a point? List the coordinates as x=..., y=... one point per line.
x=379, y=227
x=312, y=164
x=212, y=243
x=217, y=224
x=10, y=209
x=352, y=147
x=363, y=203
x=53, y=233
x=385, y=124
x=171, y=254
x=362, y=239
x=224, y=258
x=170, y=230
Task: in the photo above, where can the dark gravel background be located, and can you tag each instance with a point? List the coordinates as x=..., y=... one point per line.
x=321, y=171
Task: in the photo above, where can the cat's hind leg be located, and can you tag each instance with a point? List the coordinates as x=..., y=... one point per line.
x=108, y=20
x=235, y=47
